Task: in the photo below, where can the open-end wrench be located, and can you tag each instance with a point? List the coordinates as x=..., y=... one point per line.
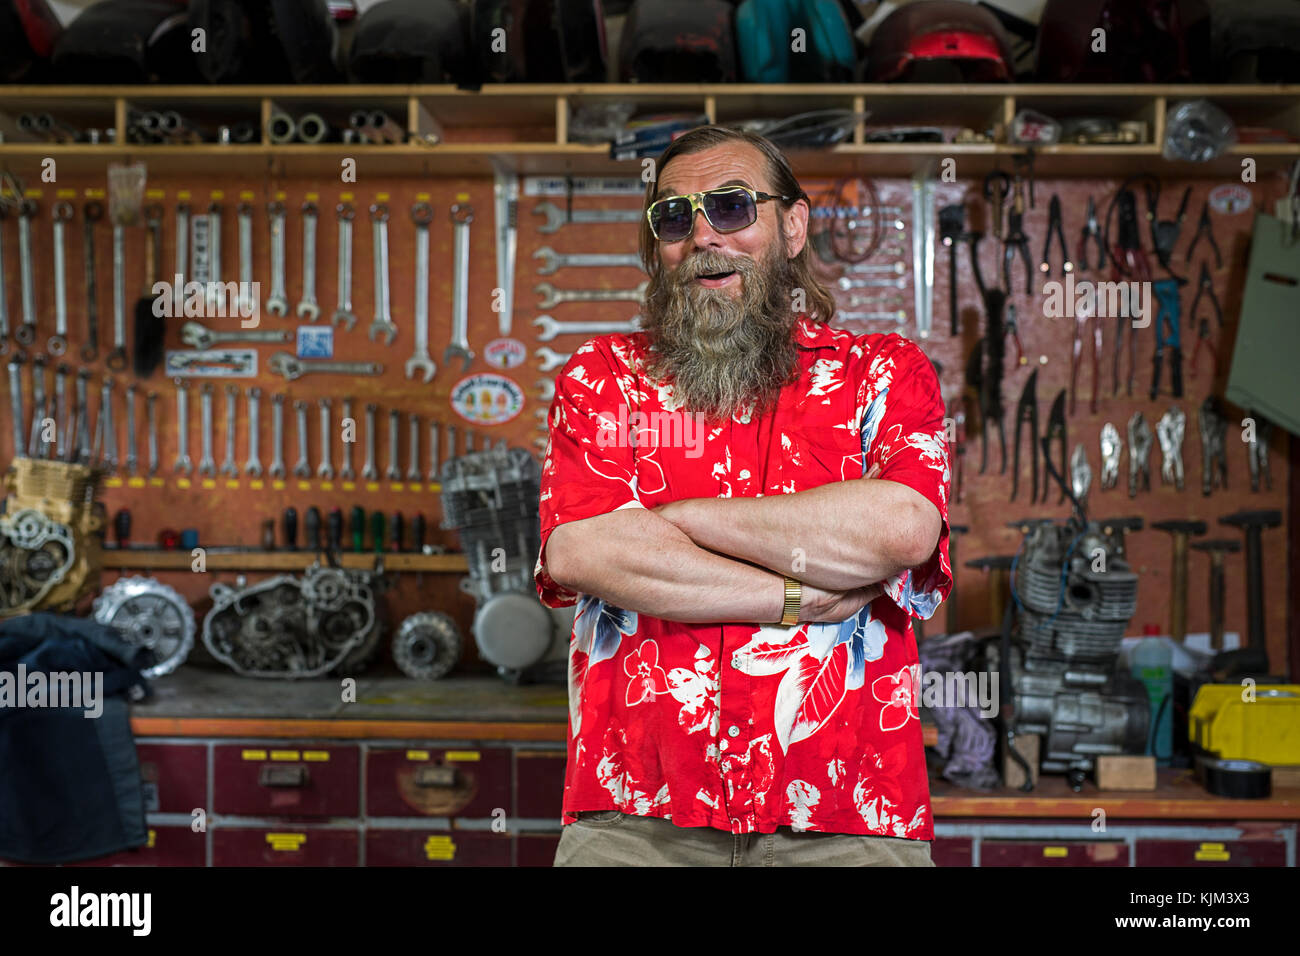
x=845, y=283
x=110, y=431
x=216, y=290
x=326, y=468
x=546, y=389
x=551, y=296
x=469, y=441
x=552, y=260
x=200, y=337
x=506, y=208
x=207, y=465
x=91, y=213
x=253, y=466
x=132, y=459
x=343, y=313
x=413, y=451
x=277, y=435
x=16, y=418
x=62, y=438
x=551, y=359
x=550, y=328
x=461, y=217
x=244, y=214
x=25, y=334
x=4, y=299
x=58, y=343
x=451, y=441
x=434, y=428
x=346, y=473
x=284, y=363
x=556, y=217
x=182, y=256
x=421, y=215
x=277, y=303
x=382, y=323
x=228, y=466
x=183, y=462
x=393, y=473
x=307, y=306
x=302, y=469
x=151, y=418
x=368, y=470
x=36, y=440
x=117, y=358
x=83, y=416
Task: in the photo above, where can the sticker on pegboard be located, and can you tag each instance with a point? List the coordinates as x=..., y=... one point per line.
x=315, y=341
x=487, y=399
x=505, y=353
x=1229, y=199
x=212, y=363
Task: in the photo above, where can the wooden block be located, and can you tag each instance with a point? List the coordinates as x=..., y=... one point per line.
x=1286, y=778
x=1028, y=746
x=1126, y=772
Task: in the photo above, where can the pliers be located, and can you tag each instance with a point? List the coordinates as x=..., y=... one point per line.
x=1091, y=230
x=1203, y=339
x=1055, y=431
x=1027, y=414
x=1205, y=286
x=1206, y=228
x=1054, y=228
x=1016, y=239
x=1013, y=330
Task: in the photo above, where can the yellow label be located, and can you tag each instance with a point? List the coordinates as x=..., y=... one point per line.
x=32, y=193
x=153, y=835
x=349, y=486
x=209, y=483
x=414, y=487
x=253, y=754
x=217, y=194
x=156, y=193
x=284, y=755
x=372, y=486
x=327, y=486
x=65, y=193
x=247, y=194
x=417, y=755
x=462, y=197
x=232, y=483
x=281, y=195
x=312, y=197
x=182, y=194
x=381, y=197
x=463, y=755
x=1059, y=852
x=1218, y=856
x=345, y=197
x=398, y=486
x=439, y=848
x=435, y=486
x=156, y=482
x=182, y=482
x=256, y=484
x=290, y=842
x=422, y=197
x=317, y=756
x=304, y=486
x=113, y=482
x=277, y=484
x=136, y=482
x=95, y=193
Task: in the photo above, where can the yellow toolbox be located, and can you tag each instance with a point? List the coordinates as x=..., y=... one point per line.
x=1240, y=723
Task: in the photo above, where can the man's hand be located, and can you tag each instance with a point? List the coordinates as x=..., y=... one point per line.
x=821, y=605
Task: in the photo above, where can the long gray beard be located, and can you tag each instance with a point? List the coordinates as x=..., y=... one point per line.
x=722, y=353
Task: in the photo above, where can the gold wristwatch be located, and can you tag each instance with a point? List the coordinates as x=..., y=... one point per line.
x=793, y=595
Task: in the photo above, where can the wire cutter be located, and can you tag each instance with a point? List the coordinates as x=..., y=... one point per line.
x=1203, y=340
x=1091, y=230
x=1205, y=286
x=1054, y=229
x=1016, y=239
x=1027, y=414
x=1205, y=228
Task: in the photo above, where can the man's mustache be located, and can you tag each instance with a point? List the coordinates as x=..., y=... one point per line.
x=711, y=263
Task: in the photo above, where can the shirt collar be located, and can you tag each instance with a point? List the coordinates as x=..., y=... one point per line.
x=813, y=335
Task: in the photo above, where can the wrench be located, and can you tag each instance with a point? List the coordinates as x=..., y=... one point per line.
x=553, y=260
x=413, y=452
x=228, y=466
x=469, y=441
x=421, y=215
x=277, y=303
x=117, y=358
x=346, y=473
x=383, y=322
x=344, y=313
x=83, y=417
x=254, y=464
x=451, y=441
x=132, y=461
x=555, y=216
x=845, y=283
x=4, y=299
x=434, y=428
x=552, y=296
x=244, y=211
x=307, y=307
x=36, y=442
x=91, y=213
x=16, y=404
x=200, y=337
x=58, y=343
x=461, y=217
x=110, y=432
x=150, y=400
x=61, y=436
x=302, y=469
x=182, y=255
x=326, y=469
x=506, y=208
x=394, y=473
x=216, y=292
x=546, y=389
x=26, y=333
x=283, y=363
x=368, y=470
x=551, y=328
x=183, y=462
x=277, y=435
x=551, y=359
x=207, y=466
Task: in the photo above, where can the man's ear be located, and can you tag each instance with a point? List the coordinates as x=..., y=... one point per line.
x=794, y=223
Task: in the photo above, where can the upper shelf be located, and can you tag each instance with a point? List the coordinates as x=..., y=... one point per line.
x=527, y=128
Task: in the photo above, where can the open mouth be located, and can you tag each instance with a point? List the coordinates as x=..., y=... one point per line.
x=715, y=276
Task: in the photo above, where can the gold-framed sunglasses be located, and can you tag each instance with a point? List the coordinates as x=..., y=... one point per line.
x=727, y=208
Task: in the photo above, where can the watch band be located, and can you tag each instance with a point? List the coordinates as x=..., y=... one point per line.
x=793, y=597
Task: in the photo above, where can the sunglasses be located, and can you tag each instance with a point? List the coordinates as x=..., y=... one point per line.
x=727, y=209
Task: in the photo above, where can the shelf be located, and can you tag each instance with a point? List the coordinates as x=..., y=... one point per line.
x=253, y=560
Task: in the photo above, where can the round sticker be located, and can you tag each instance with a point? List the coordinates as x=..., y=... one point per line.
x=485, y=398
x=505, y=353
x=1229, y=199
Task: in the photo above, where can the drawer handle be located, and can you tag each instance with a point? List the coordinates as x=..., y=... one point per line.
x=435, y=776
x=282, y=775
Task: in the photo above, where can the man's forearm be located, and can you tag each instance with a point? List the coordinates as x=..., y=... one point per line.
x=839, y=535
x=636, y=560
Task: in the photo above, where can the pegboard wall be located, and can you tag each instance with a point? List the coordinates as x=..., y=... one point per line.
x=231, y=511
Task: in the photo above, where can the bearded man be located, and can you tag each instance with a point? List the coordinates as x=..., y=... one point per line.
x=748, y=506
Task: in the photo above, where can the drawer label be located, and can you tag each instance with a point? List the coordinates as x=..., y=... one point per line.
x=285, y=755
x=321, y=756
x=417, y=755
x=290, y=842
x=462, y=755
x=1055, y=851
x=153, y=834
x=253, y=754
x=439, y=848
x=1212, y=851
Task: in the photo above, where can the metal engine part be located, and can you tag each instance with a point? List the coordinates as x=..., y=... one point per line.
x=427, y=645
x=290, y=626
x=49, y=546
x=491, y=499
x=1075, y=594
x=149, y=614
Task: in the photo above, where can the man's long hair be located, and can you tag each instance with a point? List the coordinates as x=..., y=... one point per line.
x=820, y=303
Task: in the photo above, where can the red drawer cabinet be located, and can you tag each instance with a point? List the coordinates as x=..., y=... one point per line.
x=1195, y=853
x=1052, y=853
x=286, y=780
x=539, y=784
x=424, y=847
x=953, y=851
x=536, y=849
x=175, y=777
x=432, y=782
x=285, y=846
x=167, y=846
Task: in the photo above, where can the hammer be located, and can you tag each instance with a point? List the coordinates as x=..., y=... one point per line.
x=1115, y=529
x=1180, y=530
x=1253, y=657
x=1216, y=548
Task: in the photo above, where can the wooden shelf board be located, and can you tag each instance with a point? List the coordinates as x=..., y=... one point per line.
x=253, y=560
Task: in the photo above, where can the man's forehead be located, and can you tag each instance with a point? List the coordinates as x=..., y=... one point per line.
x=722, y=165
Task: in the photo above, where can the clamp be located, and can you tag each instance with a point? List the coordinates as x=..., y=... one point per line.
x=1139, y=455
x=1206, y=228
x=1091, y=230
x=1054, y=228
x=1213, y=426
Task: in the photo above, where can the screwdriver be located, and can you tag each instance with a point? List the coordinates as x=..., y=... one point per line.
x=268, y=534
x=417, y=533
x=377, y=531
x=357, y=523
x=335, y=525
x=313, y=528
x=290, y=525
x=122, y=528
x=396, y=527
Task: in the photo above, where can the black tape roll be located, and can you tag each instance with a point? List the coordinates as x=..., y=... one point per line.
x=1240, y=779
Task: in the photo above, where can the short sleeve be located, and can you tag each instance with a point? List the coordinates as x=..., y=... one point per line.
x=587, y=471
x=902, y=418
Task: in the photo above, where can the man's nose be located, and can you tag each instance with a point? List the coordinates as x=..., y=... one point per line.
x=704, y=236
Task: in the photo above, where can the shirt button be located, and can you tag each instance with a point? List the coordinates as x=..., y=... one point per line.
x=733, y=731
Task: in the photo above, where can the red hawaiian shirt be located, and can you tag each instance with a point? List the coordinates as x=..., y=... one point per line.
x=740, y=726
